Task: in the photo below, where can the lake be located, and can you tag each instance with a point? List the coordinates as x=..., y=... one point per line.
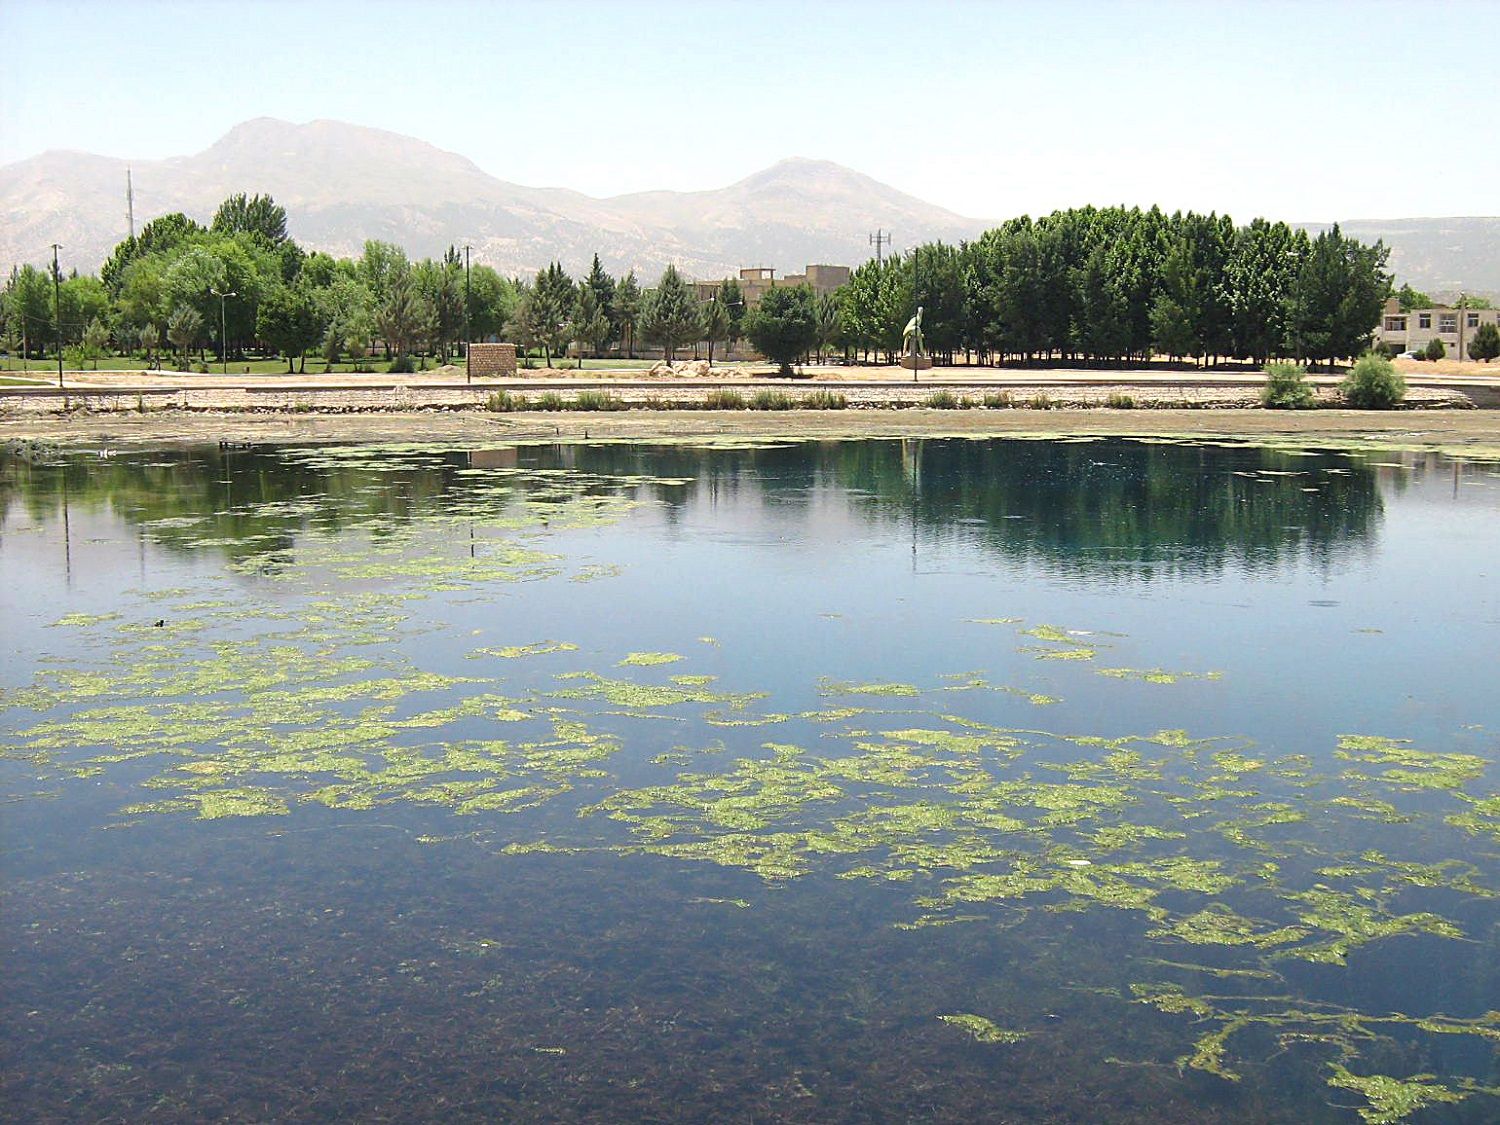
x=1066, y=780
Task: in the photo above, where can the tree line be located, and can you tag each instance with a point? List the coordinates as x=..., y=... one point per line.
x=1100, y=285
x=1115, y=284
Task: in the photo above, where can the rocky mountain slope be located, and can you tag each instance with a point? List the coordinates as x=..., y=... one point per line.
x=344, y=183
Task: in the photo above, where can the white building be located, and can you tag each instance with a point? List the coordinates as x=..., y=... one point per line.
x=1412, y=331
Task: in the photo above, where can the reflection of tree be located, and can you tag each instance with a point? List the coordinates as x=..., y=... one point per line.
x=1130, y=508
x=1127, y=508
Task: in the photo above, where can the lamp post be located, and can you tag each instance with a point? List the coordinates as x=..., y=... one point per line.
x=57, y=311
x=223, y=327
x=468, y=341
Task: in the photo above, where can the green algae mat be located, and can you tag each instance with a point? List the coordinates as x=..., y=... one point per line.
x=941, y=779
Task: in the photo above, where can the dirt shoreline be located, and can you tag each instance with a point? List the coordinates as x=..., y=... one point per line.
x=1474, y=433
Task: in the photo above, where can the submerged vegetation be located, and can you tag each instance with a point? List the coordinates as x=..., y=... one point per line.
x=306, y=681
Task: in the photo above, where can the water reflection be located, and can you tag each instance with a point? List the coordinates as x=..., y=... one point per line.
x=1121, y=509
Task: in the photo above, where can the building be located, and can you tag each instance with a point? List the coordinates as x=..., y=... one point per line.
x=1412, y=331
x=757, y=281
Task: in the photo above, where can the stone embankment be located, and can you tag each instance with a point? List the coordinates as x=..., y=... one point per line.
x=334, y=397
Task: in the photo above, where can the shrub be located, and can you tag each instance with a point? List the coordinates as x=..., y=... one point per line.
x=1486, y=343
x=1390, y=351
x=503, y=402
x=551, y=400
x=941, y=400
x=1287, y=387
x=656, y=402
x=1119, y=401
x=401, y=365
x=1435, y=349
x=771, y=400
x=1040, y=402
x=598, y=400
x=1373, y=384
x=723, y=398
x=999, y=401
x=824, y=400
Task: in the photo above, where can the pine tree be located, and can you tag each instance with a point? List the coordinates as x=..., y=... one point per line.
x=669, y=314
x=627, y=311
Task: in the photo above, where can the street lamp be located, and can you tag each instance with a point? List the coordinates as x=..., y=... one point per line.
x=223, y=322
x=57, y=310
x=468, y=338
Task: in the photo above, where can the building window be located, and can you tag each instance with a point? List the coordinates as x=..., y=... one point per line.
x=1395, y=324
x=1447, y=322
x=1473, y=320
x=1424, y=320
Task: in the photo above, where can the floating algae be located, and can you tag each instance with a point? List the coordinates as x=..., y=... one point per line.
x=984, y=1030
x=648, y=659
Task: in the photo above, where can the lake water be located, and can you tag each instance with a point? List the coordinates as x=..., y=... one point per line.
x=1015, y=780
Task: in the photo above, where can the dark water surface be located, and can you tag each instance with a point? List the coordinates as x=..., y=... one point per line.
x=1068, y=781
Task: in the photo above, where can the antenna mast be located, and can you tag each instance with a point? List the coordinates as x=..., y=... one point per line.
x=878, y=239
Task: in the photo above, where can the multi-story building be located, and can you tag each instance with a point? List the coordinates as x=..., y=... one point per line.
x=1411, y=331
x=757, y=281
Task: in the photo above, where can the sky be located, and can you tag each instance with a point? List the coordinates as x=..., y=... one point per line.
x=1299, y=111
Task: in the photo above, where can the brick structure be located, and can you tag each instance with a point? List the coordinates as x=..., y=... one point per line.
x=492, y=360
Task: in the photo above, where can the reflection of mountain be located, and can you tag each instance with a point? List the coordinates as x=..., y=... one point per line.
x=1121, y=510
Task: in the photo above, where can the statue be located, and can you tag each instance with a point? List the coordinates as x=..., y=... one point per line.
x=911, y=335
x=911, y=345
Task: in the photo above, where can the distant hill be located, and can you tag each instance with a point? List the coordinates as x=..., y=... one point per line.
x=1438, y=256
x=342, y=184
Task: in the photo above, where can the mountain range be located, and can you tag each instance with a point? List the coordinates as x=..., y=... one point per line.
x=342, y=184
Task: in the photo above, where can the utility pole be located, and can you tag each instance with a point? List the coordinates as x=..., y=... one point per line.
x=57, y=310
x=468, y=343
x=878, y=239
x=130, y=203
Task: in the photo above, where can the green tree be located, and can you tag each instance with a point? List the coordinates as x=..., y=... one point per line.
x=732, y=297
x=1258, y=277
x=1435, y=349
x=588, y=326
x=715, y=324
x=628, y=301
x=1410, y=298
x=28, y=296
x=1485, y=345
x=552, y=298
x=288, y=321
x=401, y=318
x=1176, y=315
x=259, y=215
x=183, y=329
x=669, y=314
x=783, y=325
x=603, y=287
x=1337, y=296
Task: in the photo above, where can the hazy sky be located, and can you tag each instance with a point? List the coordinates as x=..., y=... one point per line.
x=1312, y=110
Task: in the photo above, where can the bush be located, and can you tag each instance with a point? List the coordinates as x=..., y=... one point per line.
x=1040, y=402
x=1287, y=387
x=1434, y=349
x=1486, y=343
x=598, y=400
x=551, y=400
x=1373, y=384
x=401, y=365
x=824, y=400
x=1118, y=401
x=941, y=400
x=503, y=402
x=999, y=401
x=771, y=400
x=724, y=399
